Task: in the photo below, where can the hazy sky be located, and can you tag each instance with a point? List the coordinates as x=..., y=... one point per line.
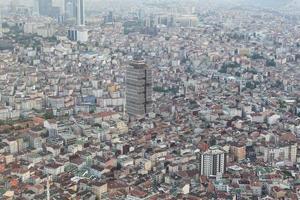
x=262, y=3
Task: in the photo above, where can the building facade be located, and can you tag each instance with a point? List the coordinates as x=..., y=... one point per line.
x=45, y=7
x=281, y=152
x=213, y=161
x=70, y=8
x=138, y=89
x=80, y=14
x=78, y=34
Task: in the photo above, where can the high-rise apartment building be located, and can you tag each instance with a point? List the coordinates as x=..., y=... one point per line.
x=213, y=161
x=138, y=89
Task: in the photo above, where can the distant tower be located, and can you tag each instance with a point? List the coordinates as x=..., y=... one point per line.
x=45, y=7
x=138, y=89
x=35, y=8
x=80, y=13
x=13, y=5
x=70, y=8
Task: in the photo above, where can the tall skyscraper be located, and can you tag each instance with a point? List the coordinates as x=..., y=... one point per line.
x=60, y=4
x=35, y=8
x=213, y=161
x=80, y=13
x=45, y=7
x=138, y=89
x=70, y=8
x=13, y=5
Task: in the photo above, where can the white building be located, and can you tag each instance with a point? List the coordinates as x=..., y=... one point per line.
x=213, y=161
x=78, y=34
x=4, y=113
x=41, y=29
x=287, y=152
x=7, y=113
x=54, y=169
x=273, y=119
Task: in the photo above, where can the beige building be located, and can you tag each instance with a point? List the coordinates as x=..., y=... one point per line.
x=284, y=152
x=99, y=189
x=239, y=152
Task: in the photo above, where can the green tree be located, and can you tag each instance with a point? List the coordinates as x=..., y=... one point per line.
x=282, y=104
x=49, y=115
x=212, y=141
x=250, y=85
x=270, y=63
x=225, y=66
x=256, y=55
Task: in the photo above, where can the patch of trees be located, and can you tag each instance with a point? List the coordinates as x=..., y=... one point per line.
x=251, y=85
x=163, y=90
x=255, y=56
x=231, y=65
x=49, y=114
x=270, y=63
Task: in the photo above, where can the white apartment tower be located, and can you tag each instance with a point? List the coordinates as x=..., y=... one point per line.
x=213, y=161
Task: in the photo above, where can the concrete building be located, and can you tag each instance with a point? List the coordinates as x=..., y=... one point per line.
x=45, y=7
x=282, y=152
x=213, y=161
x=54, y=169
x=60, y=4
x=70, y=8
x=80, y=35
x=80, y=14
x=99, y=189
x=138, y=89
x=41, y=29
x=239, y=152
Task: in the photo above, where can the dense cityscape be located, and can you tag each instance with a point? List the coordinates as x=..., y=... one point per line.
x=149, y=100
